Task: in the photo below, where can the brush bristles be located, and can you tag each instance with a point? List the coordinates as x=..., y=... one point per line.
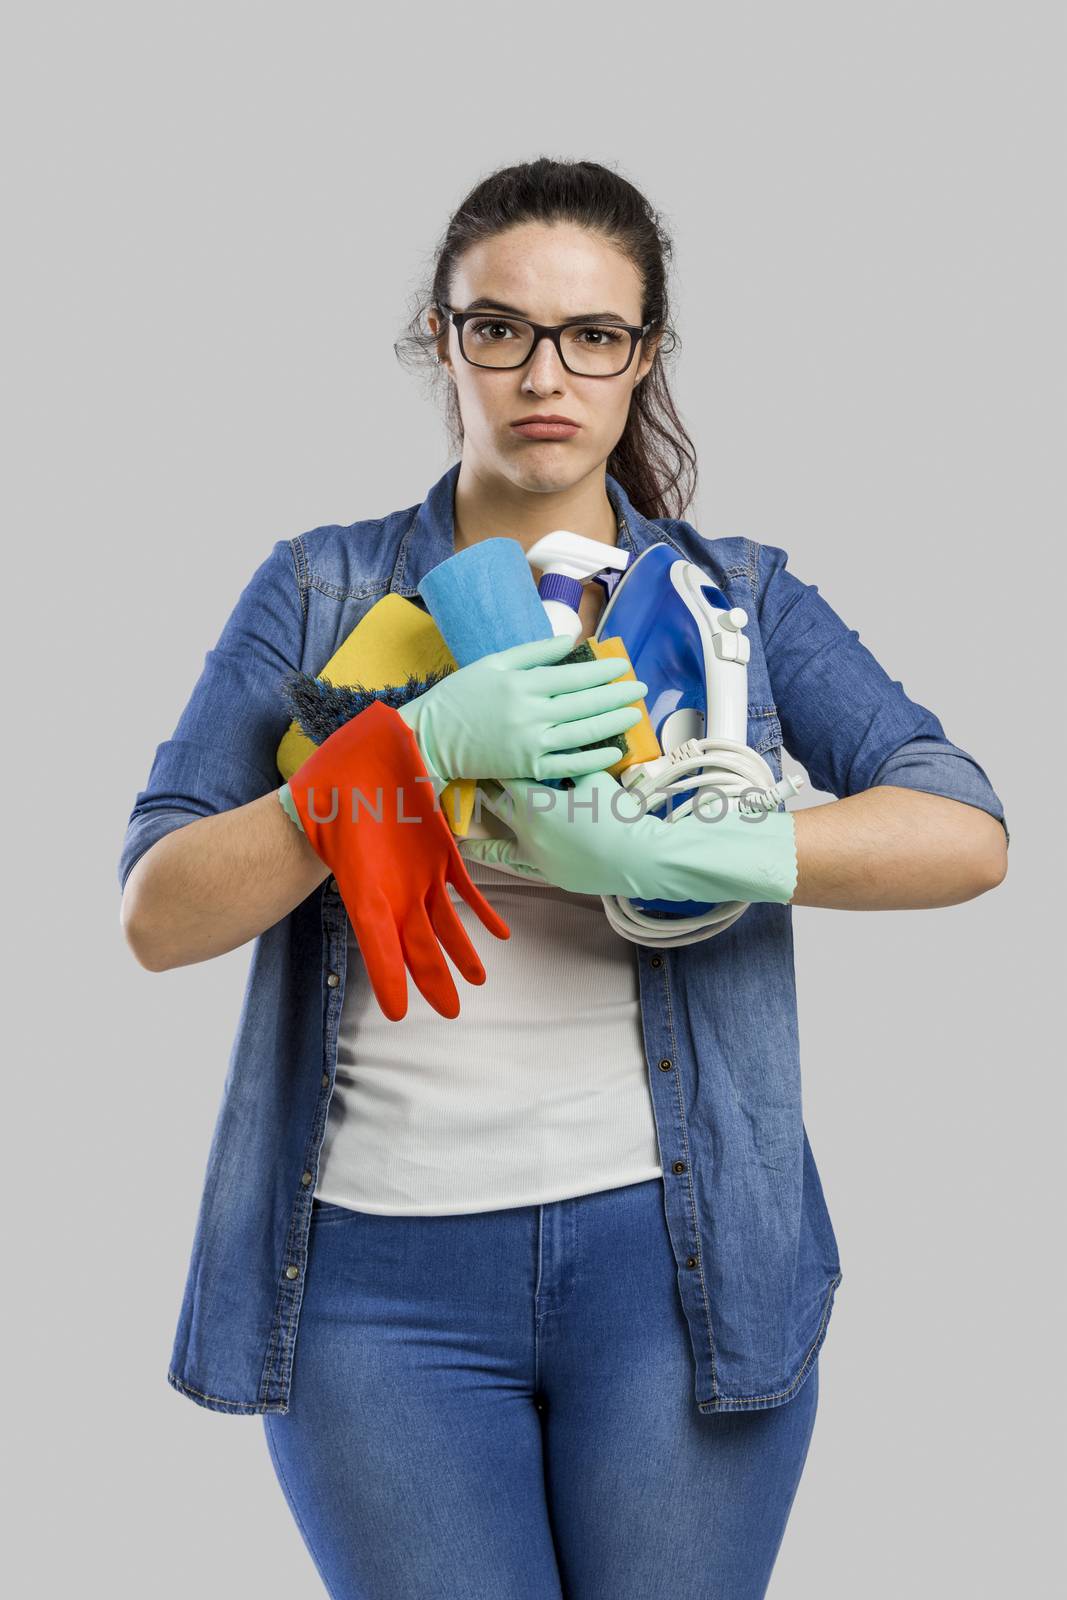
x=320, y=707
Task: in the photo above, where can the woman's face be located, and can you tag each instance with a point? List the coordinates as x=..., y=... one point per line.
x=547, y=273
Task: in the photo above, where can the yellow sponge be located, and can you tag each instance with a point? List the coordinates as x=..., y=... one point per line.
x=638, y=743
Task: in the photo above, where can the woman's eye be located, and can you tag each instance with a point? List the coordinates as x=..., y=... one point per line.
x=601, y=336
x=480, y=329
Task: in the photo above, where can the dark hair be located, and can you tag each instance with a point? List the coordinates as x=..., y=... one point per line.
x=654, y=459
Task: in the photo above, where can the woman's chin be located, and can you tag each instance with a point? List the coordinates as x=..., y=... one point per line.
x=545, y=471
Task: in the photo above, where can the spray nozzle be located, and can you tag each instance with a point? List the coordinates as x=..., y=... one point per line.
x=568, y=561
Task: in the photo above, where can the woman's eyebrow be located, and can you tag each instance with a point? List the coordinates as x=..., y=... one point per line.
x=483, y=303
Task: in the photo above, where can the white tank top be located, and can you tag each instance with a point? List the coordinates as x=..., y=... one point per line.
x=537, y=1091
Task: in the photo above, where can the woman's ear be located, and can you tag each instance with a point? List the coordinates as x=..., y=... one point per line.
x=440, y=335
x=648, y=356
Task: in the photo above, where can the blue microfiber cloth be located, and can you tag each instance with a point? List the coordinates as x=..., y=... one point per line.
x=484, y=598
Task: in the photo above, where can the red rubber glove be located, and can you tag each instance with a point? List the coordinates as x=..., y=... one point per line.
x=392, y=873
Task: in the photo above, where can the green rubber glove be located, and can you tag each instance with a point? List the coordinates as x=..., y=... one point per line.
x=504, y=715
x=597, y=839
x=288, y=805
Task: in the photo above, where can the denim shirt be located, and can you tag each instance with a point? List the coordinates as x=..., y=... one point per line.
x=756, y=1257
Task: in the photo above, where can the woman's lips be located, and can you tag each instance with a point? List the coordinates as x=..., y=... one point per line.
x=545, y=430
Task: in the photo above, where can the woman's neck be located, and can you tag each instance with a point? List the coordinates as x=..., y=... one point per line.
x=489, y=507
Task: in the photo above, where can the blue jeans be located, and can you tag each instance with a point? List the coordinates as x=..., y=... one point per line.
x=500, y=1406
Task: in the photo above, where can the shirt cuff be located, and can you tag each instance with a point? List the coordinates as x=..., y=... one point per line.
x=936, y=766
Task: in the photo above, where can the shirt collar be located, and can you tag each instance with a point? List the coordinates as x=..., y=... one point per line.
x=430, y=539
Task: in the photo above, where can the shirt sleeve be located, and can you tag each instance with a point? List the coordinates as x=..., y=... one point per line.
x=223, y=751
x=938, y=767
x=843, y=718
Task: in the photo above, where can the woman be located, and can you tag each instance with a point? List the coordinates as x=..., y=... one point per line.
x=561, y=1265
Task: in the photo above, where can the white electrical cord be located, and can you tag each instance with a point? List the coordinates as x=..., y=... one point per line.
x=699, y=764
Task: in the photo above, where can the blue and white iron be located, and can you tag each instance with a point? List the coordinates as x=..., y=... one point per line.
x=685, y=641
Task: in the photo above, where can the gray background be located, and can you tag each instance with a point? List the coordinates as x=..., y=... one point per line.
x=216, y=217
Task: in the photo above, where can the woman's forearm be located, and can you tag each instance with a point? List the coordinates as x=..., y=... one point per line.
x=215, y=883
x=894, y=849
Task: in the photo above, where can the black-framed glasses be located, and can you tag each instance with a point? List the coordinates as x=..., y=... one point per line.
x=587, y=348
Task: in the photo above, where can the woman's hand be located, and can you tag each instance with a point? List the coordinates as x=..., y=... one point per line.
x=598, y=838
x=512, y=714
x=593, y=839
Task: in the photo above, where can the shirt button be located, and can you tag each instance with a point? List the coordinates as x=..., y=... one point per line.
x=666, y=1064
x=677, y=1166
x=325, y=1080
x=332, y=980
x=305, y=1178
x=657, y=961
x=292, y=1272
x=332, y=886
x=691, y=1261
